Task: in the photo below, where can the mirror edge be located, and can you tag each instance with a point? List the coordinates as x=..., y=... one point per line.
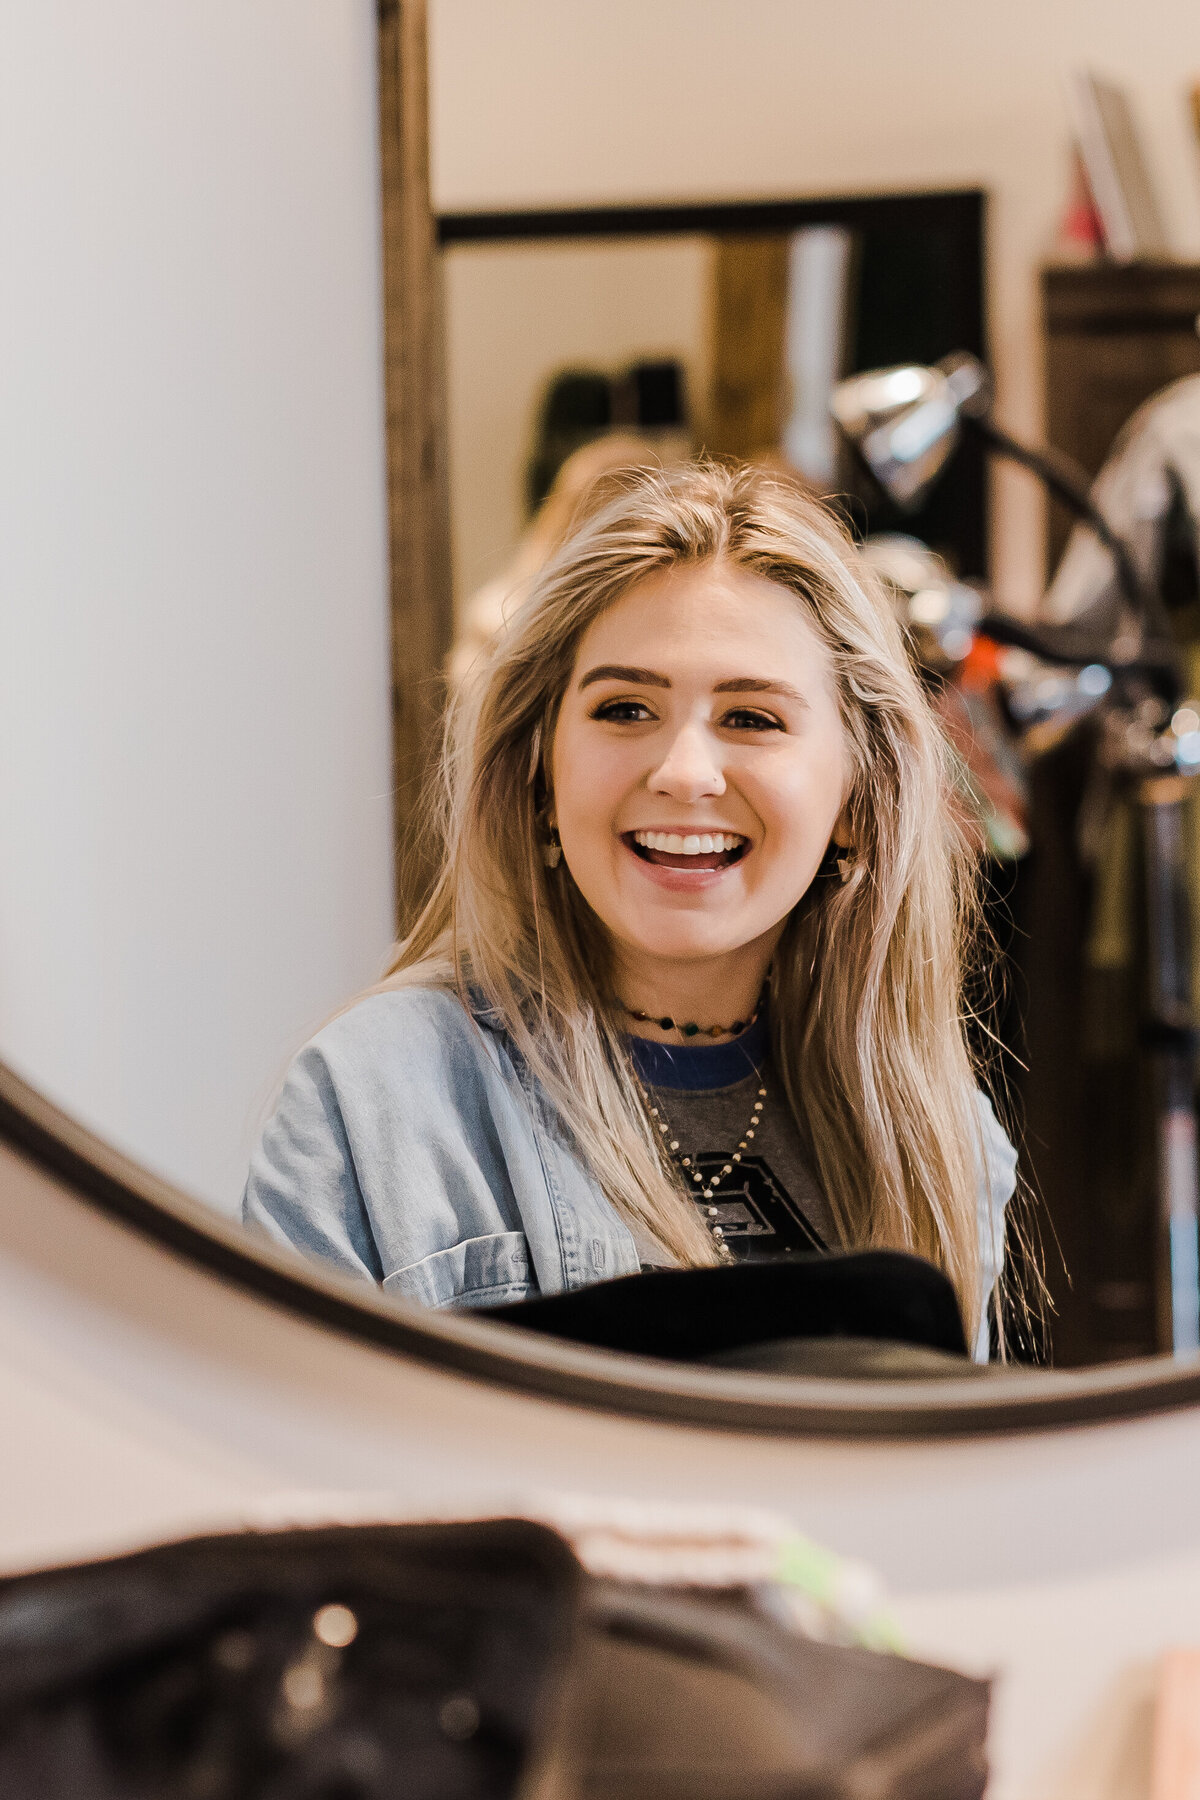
x=682, y=1394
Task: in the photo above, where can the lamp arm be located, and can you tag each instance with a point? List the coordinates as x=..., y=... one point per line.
x=1157, y=661
x=1069, y=483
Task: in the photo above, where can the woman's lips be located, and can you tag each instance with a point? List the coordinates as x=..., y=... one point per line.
x=699, y=862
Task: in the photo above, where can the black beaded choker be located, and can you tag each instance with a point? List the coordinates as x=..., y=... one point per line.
x=693, y=1030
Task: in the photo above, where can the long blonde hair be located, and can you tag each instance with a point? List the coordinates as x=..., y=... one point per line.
x=867, y=979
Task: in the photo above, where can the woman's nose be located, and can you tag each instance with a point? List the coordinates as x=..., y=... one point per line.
x=690, y=770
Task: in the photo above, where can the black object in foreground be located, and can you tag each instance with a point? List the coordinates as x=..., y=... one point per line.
x=453, y=1662
x=358, y=1663
x=699, y=1315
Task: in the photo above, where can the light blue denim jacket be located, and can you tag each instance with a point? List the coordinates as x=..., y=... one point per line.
x=410, y=1146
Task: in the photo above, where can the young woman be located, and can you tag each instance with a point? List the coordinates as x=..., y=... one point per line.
x=689, y=986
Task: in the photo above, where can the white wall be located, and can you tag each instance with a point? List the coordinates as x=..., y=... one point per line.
x=195, y=858
x=536, y=102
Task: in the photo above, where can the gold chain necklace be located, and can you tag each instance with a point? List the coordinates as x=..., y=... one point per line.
x=707, y=1184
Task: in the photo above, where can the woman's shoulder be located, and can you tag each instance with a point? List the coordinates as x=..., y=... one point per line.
x=416, y=1029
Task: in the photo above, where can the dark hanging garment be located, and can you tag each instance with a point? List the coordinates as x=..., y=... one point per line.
x=198, y=1670
x=755, y=1315
x=455, y=1662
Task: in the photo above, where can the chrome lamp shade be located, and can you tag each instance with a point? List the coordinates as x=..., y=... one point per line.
x=904, y=421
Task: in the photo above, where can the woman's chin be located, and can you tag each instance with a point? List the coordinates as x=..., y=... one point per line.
x=677, y=946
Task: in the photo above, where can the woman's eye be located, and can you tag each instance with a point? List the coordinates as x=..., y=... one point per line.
x=623, y=712
x=748, y=718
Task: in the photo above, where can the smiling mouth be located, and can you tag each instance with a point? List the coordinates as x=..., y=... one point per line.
x=696, y=850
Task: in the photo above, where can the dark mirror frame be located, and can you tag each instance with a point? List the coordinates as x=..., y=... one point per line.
x=948, y=227
x=639, y=1387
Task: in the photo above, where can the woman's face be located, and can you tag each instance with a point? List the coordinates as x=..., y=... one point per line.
x=699, y=767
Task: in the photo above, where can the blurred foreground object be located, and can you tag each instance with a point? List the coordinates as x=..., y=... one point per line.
x=465, y=1661
x=676, y=1543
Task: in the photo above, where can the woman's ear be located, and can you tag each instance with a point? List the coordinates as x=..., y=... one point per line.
x=843, y=837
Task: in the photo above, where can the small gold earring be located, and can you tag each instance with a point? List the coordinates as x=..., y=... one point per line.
x=552, y=849
x=846, y=865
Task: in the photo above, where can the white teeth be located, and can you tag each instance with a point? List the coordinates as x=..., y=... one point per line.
x=703, y=843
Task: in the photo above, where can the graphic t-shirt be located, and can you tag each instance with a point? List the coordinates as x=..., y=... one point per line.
x=770, y=1205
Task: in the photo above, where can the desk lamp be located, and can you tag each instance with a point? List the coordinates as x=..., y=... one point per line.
x=905, y=423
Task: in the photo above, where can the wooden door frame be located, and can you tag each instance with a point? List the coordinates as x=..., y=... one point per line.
x=418, y=512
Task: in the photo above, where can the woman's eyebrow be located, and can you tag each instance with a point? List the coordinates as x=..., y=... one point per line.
x=737, y=684
x=617, y=672
x=752, y=684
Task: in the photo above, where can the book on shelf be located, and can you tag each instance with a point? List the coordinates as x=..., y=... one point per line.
x=1116, y=170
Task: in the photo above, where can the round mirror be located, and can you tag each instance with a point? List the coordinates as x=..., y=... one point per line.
x=284, y=479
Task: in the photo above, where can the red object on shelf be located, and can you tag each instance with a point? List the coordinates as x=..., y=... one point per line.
x=1081, y=230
